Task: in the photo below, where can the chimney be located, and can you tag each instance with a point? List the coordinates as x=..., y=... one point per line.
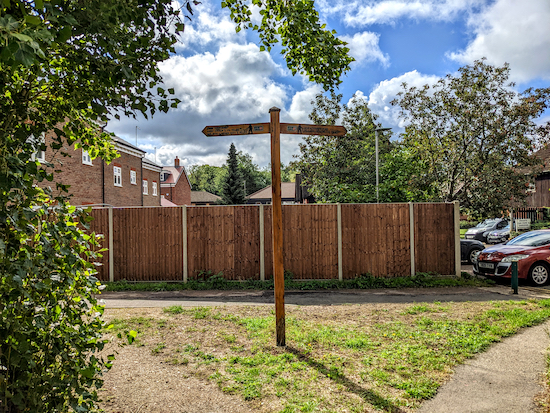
x=176, y=161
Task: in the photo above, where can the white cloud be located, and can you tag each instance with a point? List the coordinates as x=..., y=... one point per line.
x=301, y=105
x=387, y=90
x=231, y=86
x=236, y=80
x=364, y=48
x=209, y=26
x=363, y=13
x=515, y=32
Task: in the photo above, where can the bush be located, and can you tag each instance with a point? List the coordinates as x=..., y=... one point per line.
x=468, y=224
x=50, y=325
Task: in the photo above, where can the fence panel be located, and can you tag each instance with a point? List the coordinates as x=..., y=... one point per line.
x=434, y=238
x=375, y=240
x=148, y=244
x=100, y=225
x=310, y=243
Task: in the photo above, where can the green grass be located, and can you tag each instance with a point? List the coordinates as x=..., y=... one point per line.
x=217, y=282
x=353, y=358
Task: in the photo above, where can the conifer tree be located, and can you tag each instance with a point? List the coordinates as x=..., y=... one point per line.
x=233, y=187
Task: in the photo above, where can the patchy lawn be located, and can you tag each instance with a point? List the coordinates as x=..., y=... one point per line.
x=351, y=358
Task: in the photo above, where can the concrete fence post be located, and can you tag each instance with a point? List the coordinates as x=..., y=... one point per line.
x=340, y=264
x=184, y=244
x=111, y=247
x=262, y=243
x=458, y=268
x=411, y=238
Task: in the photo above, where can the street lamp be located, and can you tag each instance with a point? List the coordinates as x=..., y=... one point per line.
x=376, y=150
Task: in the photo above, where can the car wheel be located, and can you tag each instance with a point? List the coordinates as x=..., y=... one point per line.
x=539, y=273
x=471, y=256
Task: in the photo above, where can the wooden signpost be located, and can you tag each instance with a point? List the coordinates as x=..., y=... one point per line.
x=275, y=128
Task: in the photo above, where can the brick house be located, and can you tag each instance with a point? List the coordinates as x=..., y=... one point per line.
x=175, y=185
x=129, y=180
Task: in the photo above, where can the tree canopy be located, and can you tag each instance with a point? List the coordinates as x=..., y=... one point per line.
x=342, y=169
x=475, y=137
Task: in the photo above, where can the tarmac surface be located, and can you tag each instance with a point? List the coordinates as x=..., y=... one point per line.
x=506, y=378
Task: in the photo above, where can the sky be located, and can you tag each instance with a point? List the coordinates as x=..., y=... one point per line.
x=222, y=78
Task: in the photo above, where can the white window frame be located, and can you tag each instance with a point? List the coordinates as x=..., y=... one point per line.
x=154, y=188
x=86, y=158
x=145, y=187
x=117, y=173
x=133, y=177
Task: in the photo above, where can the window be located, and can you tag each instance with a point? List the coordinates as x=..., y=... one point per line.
x=117, y=171
x=145, y=187
x=86, y=158
x=133, y=178
x=154, y=188
x=531, y=189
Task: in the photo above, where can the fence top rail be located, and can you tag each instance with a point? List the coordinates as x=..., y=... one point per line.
x=107, y=206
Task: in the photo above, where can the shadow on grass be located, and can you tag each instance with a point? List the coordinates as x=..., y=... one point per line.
x=367, y=395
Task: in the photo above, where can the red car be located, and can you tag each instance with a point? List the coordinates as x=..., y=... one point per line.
x=531, y=250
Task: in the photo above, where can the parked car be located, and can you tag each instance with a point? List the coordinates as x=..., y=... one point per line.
x=531, y=250
x=469, y=249
x=481, y=230
x=498, y=236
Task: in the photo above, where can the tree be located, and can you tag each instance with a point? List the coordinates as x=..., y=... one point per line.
x=207, y=178
x=308, y=48
x=475, y=136
x=342, y=169
x=233, y=187
x=66, y=67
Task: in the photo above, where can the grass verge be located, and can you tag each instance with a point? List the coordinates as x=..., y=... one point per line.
x=355, y=358
x=217, y=282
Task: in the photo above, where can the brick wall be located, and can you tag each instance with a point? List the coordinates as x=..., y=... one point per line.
x=128, y=194
x=181, y=193
x=152, y=177
x=85, y=180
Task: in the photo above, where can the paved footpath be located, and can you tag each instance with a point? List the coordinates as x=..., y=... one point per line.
x=504, y=379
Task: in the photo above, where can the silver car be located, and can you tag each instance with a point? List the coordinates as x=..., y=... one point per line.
x=499, y=235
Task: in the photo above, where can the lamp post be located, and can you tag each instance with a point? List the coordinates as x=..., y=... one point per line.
x=376, y=150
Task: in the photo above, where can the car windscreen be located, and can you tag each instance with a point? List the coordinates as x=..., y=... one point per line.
x=531, y=239
x=486, y=223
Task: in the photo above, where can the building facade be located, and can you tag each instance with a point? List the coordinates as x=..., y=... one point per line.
x=129, y=180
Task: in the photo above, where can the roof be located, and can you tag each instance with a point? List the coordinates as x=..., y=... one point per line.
x=175, y=174
x=166, y=203
x=204, y=196
x=288, y=191
x=147, y=163
x=128, y=147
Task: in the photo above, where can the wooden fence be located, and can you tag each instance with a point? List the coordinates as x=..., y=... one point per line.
x=321, y=241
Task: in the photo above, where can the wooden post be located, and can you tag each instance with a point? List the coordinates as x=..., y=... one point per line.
x=277, y=218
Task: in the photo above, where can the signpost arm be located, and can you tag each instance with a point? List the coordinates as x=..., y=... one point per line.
x=277, y=217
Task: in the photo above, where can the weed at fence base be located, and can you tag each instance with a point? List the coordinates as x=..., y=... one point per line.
x=364, y=281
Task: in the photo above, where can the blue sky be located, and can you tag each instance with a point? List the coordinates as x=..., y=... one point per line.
x=222, y=77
